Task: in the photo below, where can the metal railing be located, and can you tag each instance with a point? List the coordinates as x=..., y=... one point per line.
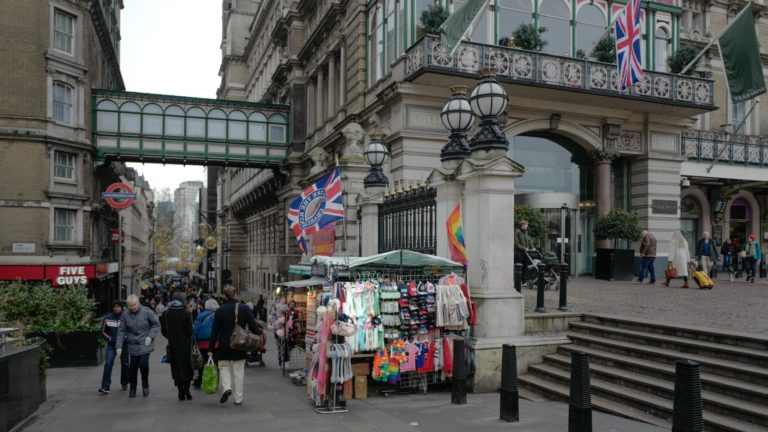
x=725, y=148
x=407, y=221
x=518, y=65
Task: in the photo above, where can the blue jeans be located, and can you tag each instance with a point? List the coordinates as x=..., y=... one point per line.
x=647, y=263
x=106, y=379
x=140, y=362
x=727, y=262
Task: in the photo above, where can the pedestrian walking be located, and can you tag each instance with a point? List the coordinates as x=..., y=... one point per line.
x=231, y=362
x=706, y=253
x=176, y=325
x=727, y=251
x=754, y=255
x=202, y=331
x=109, y=327
x=647, y=257
x=138, y=330
x=678, y=259
x=523, y=245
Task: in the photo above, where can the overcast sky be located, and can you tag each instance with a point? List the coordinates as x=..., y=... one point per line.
x=171, y=47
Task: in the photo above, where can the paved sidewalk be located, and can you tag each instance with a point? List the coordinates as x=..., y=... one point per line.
x=273, y=403
x=734, y=306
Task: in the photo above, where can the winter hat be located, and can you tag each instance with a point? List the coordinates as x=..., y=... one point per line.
x=116, y=303
x=752, y=237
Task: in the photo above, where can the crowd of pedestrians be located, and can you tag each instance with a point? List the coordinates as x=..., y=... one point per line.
x=185, y=317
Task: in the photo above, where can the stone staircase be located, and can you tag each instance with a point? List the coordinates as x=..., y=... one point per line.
x=632, y=366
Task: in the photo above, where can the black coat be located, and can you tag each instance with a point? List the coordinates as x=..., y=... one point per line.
x=224, y=324
x=176, y=325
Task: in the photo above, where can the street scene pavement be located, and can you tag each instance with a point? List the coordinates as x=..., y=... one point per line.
x=272, y=403
x=733, y=306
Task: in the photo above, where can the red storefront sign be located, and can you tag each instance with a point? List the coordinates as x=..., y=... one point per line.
x=116, y=237
x=22, y=272
x=69, y=274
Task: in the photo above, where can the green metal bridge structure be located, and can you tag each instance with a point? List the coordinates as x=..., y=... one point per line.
x=153, y=128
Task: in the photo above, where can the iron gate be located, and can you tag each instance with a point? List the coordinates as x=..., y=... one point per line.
x=407, y=221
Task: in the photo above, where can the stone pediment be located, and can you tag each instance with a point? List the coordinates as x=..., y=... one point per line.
x=500, y=166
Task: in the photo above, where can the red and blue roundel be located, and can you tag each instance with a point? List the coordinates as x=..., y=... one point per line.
x=319, y=205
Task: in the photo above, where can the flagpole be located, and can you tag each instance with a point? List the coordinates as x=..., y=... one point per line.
x=714, y=39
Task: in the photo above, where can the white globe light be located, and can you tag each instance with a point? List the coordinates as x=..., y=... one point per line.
x=457, y=114
x=376, y=153
x=488, y=99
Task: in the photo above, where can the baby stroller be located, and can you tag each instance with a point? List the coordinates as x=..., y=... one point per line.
x=549, y=266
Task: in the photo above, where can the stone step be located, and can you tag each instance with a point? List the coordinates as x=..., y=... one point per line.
x=685, y=345
x=732, y=369
x=714, y=402
x=716, y=383
x=627, y=402
x=736, y=339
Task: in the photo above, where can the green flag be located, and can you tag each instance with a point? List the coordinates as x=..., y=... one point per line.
x=456, y=25
x=741, y=56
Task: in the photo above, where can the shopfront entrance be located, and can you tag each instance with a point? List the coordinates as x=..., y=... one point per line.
x=559, y=182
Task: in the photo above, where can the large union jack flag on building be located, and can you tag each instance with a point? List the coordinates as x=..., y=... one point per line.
x=319, y=205
x=628, y=43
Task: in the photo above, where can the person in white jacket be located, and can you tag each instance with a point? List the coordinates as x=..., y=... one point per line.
x=679, y=255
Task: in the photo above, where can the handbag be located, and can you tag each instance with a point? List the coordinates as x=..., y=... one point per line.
x=743, y=254
x=195, y=356
x=210, y=377
x=242, y=338
x=670, y=273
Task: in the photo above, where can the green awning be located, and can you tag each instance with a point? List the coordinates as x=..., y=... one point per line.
x=300, y=269
x=396, y=258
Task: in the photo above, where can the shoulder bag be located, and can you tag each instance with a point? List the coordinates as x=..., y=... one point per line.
x=242, y=338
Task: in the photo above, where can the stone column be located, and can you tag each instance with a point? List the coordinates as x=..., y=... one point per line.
x=353, y=171
x=449, y=193
x=368, y=202
x=319, y=105
x=342, y=77
x=310, y=107
x=332, y=108
x=603, y=159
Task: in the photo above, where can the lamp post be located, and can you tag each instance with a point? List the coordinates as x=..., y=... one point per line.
x=376, y=154
x=488, y=101
x=456, y=117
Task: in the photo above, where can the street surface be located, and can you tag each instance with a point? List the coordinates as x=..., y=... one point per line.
x=735, y=306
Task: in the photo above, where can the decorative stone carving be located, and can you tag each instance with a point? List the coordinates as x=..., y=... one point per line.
x=355, y=134
x=611, y=134
x=630, y=142
x=319, y=160
x=604, y=155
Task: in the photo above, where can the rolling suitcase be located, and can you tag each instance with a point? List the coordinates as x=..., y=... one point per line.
x=702, y=280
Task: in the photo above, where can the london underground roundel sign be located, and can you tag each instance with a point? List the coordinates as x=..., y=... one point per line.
x=119, y=195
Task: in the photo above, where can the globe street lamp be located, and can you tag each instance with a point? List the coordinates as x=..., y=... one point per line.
x=488, y=101
x=456, y=117
x=376, y=154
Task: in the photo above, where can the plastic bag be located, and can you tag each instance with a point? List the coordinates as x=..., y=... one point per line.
x=210, y=377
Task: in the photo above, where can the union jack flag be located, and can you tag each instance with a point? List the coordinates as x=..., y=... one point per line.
x=628, y=43
x=319, y=205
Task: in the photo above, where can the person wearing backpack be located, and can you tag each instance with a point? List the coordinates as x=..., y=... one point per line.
x=202, y=331
x=231, y=361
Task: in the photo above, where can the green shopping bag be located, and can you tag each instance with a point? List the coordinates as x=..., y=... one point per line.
x=210, y=377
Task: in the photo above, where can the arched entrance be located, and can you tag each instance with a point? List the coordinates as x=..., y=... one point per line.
x=558, y=173
x=742, y=217
x=695, y=219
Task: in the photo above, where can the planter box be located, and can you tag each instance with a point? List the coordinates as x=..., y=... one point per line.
x=22, y=385
x=74, y=349
x=615, y=264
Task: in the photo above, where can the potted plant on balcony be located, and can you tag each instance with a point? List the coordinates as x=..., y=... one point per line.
x=605, y=50
x=431, y=20
x=614, y=263
x=63, y=317
x=680, y=59
x=529, y=37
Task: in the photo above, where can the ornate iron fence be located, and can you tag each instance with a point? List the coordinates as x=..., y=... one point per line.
x=407, y=221
x=725, y=148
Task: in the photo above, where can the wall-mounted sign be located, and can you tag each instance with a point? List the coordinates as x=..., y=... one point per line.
x=69, y=274
x=720, y=206
x=324, y=241
x=23, y=248
x=119, y=195
x=668, y=207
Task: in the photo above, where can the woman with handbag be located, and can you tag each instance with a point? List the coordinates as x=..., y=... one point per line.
x=231, y=317
x=679, y=255
x=202, y=330
x=176, y=325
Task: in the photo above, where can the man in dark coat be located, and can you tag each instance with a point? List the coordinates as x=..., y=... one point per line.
x=109, y=327
x=231, y=362
x=176, y=325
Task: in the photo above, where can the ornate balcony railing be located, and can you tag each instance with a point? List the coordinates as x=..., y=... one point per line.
x=517, y=65
x=733, y=149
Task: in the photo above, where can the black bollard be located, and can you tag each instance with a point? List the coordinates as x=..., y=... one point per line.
x=519, y=277
x=687, y=415
x=509, y=410
x=540, y=292
x=563, y=307
x=459, y=380
x=580, y=402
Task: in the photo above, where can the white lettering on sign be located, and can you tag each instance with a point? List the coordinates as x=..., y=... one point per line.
x=72, y=276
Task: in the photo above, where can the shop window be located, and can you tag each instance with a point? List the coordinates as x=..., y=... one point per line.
x=64, y=166
x=555, y=16
x=590, y=25
x=663, y=44
x=62, y=103
x=63, y=31
x=64, y=225
x=512, y=14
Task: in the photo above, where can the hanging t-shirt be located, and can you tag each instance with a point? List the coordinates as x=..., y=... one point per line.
x=429, y=365
x=448, y=357
x=411, y=352
x=421, y=354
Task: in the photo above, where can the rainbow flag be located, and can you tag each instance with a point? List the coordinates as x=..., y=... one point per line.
x=456, y=236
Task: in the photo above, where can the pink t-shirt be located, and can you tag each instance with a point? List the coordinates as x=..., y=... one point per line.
x=411, y=351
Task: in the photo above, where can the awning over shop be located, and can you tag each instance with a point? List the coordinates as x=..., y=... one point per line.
x=302, y=283
x=300, y=269
x=404, y=258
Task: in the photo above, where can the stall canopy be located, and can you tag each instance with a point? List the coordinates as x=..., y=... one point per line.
x=404, y=258
x=302, y=283
x=300, y=269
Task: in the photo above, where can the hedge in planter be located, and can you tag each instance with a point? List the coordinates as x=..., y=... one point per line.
x=614, y=263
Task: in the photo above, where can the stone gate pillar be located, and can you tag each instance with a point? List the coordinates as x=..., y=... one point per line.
x=603, y=159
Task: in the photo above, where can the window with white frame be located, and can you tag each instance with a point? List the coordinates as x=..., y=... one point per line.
x=738, y=113
x=62, y=102
x=663, y=48
x=63, y=31
x=64, y=224
x=64, y=165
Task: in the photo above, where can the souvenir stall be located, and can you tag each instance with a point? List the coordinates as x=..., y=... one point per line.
x=396, y=315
